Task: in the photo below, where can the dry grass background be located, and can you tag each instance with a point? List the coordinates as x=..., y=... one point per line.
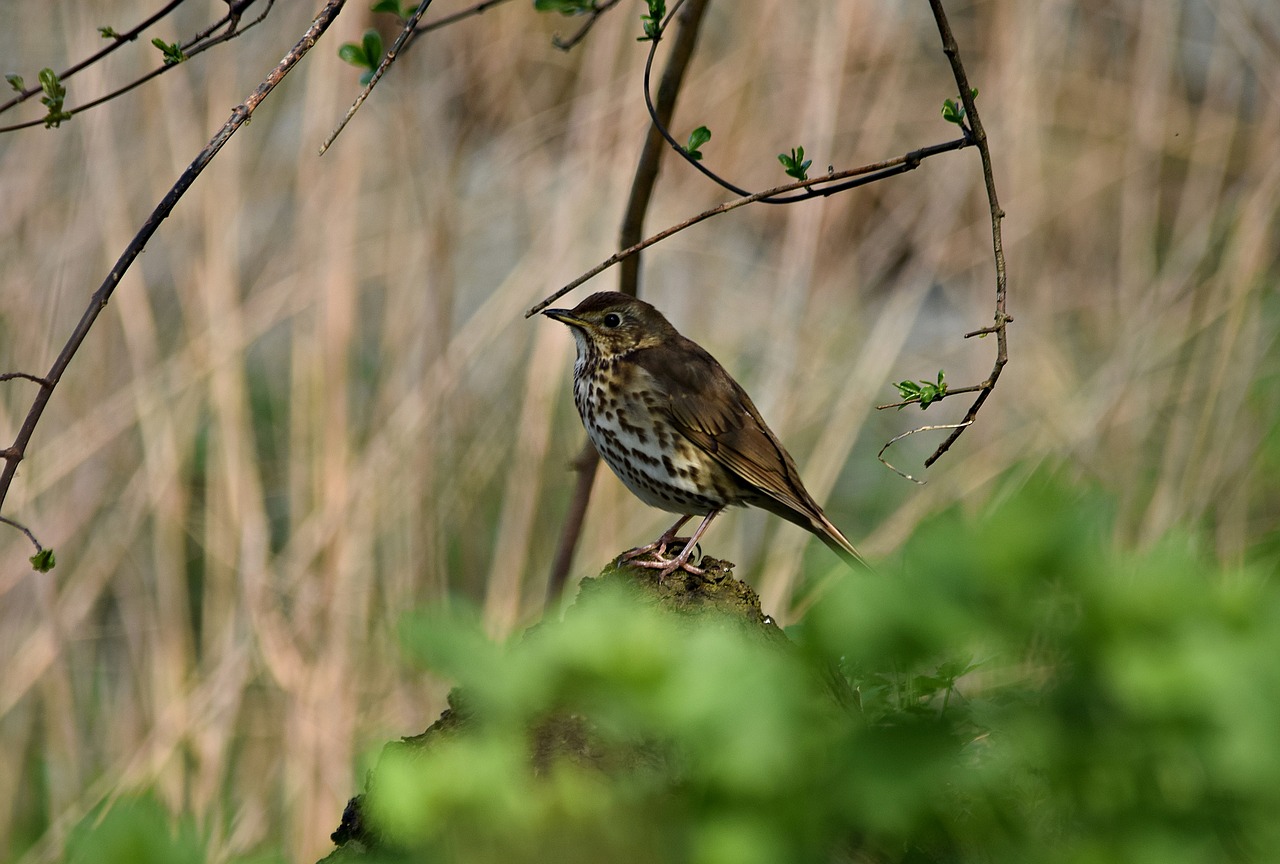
x=314, y=403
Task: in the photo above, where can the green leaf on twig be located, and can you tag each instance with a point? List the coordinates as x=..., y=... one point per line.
x=171, y=51
x=653, y=21
x=953, y=111
x=366, y=54
x=43, y=561
x=565, y=7
x=795, y=165
x=54, y=96
x=697, y=138
x=924, y=393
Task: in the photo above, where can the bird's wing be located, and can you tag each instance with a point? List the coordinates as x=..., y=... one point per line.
x=713, y=411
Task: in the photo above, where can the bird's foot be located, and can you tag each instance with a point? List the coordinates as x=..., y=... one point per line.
x=658, y=560
x=657, y=547
x=658, y=550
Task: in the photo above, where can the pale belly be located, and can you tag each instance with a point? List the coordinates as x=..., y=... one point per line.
x=660, y=467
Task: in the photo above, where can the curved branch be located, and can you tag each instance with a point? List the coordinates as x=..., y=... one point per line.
x=896, y=438
x=5, y=520
x=661, y=124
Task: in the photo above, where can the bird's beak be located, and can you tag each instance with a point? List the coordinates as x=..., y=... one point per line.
x=564, y=316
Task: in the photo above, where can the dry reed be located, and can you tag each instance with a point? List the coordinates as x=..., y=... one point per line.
x=314, y=404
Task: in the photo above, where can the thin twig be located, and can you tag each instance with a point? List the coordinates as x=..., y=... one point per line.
x=25, y=530
x=9, y=376
x=235, y=10
x=631, y=231
x=585, y=465
x=204, y=40
x=458, y=16
x=239, y=116
x=994, y=328
x=406, y=33
x=596, y=11
x=896, y=438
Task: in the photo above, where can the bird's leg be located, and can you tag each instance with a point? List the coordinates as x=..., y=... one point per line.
x=658, y=546
x=681, y=561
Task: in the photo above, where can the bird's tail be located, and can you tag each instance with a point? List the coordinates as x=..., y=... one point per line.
x=800, y=509
x=837, y=542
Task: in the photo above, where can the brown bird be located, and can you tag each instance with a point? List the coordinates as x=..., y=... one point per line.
x=677, y=429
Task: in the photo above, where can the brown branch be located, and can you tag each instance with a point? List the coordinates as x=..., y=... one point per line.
x=631, y=231
x=458, y=16
x=9, y=376
x=204, y=40
x=994, y=328
x=864, y=174
x=239, y=116
x=952, y=50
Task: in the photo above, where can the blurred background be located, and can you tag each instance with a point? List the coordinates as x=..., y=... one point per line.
x=314, y=404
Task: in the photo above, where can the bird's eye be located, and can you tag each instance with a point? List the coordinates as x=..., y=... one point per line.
x=613, y=319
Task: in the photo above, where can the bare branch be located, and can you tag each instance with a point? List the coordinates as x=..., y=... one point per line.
x=9, y=376
x=458, y=16
x=896, y=438
x=995, y=328
x=24, y=529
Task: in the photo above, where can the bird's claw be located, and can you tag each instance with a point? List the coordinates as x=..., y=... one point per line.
x=658, y=560
x=657, y=547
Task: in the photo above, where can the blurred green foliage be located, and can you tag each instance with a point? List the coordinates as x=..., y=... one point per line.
x=1120, y=708
x=1011, y=689
x=138, y=830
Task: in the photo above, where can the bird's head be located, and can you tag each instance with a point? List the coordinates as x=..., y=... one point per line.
x=610, y=324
